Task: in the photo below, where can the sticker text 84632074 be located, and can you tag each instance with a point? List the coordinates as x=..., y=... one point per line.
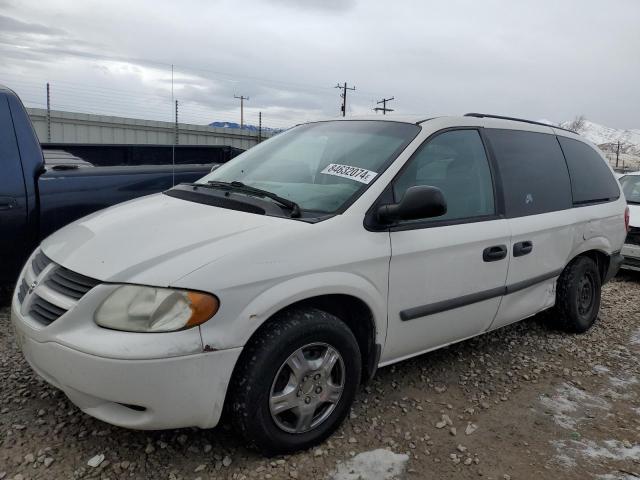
x=358, y=174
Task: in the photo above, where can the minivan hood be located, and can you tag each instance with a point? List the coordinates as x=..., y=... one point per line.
x=156, y=240
x=634, y=215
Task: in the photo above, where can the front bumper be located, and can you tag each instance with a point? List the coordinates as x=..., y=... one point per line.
x=631, y=254
x=148, y=394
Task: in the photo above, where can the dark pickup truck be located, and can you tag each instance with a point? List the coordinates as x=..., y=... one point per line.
x=37, y=198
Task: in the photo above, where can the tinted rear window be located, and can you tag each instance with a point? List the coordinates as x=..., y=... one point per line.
x=534, y=173
x=591, y=179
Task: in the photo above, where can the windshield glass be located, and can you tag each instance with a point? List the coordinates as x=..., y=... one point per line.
x=320, y=166
x=631, y=188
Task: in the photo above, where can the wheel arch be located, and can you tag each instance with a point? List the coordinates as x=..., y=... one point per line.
x=600, y=256
x=347, y=307
x=356, y=314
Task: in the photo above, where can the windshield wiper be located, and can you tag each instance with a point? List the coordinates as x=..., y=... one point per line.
x=258, y=192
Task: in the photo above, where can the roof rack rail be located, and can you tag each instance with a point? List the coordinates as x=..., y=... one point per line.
x=486, y=115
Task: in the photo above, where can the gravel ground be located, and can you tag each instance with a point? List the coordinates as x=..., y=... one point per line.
x=522, y=402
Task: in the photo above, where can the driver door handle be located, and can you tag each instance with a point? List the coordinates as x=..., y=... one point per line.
x=495, y=253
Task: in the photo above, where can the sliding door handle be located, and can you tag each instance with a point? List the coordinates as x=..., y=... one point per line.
x=522, y=248
x=495, y=253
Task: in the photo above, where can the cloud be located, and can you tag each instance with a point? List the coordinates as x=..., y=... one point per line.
x=331, y=6
x=10, y=24
x=531, y=59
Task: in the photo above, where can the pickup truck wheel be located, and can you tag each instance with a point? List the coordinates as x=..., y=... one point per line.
x=296, y=381
x=578, y=296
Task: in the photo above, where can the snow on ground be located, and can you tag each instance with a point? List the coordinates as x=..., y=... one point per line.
x=566, y=406
x=601, y=369
x=611, y=449
x=377, y=464
x=623, y=382
x=608, y=449
x=567, y=403
x=617, y=476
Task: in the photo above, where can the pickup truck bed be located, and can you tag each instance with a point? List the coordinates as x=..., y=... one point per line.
x=36, y=199
x=68, y=195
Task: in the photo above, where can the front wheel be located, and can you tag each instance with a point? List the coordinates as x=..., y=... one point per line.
x=296, y=381
x=578, y=295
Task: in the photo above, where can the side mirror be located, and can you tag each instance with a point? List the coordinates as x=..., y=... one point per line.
x=420, y=201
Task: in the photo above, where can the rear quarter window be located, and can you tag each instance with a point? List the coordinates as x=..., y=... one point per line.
x=533, y=171
x=591, y=179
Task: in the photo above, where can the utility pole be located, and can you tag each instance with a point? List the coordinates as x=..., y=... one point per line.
x=48, y=114
x=173, y=145
x=176, y=125
x=259, y=127
x=343, y=95
x=384, y=108
x=618, y=154
x=242, y=99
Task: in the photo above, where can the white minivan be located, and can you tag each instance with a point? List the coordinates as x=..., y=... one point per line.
x=275, y=285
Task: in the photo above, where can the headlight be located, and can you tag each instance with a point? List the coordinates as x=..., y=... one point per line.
x=148, y=309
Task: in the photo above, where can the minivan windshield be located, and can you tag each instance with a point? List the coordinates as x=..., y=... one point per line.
x=322, y=166
x=631, y=188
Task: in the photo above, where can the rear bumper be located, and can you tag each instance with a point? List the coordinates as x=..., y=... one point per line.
x=631, y=257
x=146, y=394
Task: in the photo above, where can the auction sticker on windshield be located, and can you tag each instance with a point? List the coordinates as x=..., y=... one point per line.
x=358, y=174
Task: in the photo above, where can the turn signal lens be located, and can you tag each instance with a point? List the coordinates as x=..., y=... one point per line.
x=203, y=307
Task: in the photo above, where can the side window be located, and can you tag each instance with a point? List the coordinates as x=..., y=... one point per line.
x=591, y=179
x=9, y=155
x=533, y=171
x=456, y=163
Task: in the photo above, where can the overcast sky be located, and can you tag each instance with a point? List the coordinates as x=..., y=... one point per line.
x=551, y=59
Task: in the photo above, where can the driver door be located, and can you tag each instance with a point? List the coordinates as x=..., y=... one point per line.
x=447, y=274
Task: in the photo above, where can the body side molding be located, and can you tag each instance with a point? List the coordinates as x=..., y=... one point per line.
x=437, y=307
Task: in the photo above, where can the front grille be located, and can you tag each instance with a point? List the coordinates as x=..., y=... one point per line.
x=70, y=283
x=55, y=289
x=633, y=237
x=22, y=291
x=45, y=312
x=40, y=261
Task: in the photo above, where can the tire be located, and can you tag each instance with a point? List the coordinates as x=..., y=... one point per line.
x=578, y=296
x=302, y=339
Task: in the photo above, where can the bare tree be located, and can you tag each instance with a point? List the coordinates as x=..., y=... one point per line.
x=577, y=124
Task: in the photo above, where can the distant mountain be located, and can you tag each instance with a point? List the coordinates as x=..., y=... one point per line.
x=251, y=128
x=607, y=138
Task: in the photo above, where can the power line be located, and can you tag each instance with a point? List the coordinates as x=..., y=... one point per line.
x=384, y=108
x=344, y=89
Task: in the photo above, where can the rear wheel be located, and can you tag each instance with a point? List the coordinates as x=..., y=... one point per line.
x=296, y=381
x=578, y=295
